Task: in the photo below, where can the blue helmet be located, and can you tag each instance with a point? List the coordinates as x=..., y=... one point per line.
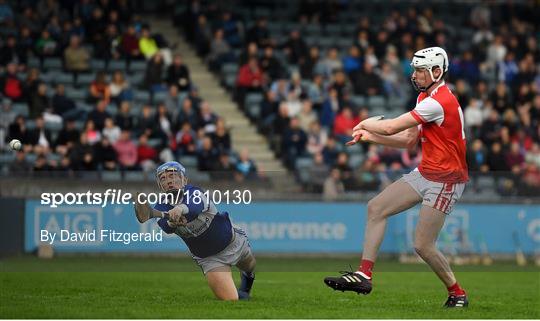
x=171, y=167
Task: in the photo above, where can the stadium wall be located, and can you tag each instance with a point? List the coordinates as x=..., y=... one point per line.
x=296, y=227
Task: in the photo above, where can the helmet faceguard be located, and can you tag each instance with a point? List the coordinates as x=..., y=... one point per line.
x=171, y=178
x=430, y=59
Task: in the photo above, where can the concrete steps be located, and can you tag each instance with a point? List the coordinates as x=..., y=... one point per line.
x=243, y=133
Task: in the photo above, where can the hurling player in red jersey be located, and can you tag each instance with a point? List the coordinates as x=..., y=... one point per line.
x=438, y=182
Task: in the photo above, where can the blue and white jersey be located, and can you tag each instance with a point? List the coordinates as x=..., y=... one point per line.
x=207, y=231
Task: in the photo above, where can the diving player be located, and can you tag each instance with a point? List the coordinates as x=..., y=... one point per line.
x=214, y=242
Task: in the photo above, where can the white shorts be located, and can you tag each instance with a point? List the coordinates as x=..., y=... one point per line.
x=237, y=251
x=440, y=196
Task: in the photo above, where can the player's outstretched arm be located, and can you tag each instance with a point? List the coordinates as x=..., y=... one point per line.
x=387, y=127
x=404, y=139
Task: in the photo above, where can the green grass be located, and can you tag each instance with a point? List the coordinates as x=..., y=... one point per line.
x=112, y=287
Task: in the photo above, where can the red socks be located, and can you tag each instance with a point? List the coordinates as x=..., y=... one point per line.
x=455, y=290
x=365, y=267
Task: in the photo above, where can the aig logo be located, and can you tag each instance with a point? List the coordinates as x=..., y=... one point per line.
x=72, y=219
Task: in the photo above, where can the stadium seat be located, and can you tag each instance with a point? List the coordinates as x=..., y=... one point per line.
x=333, y=30
x=358, y=101
x=76, y=94
x=85, y=79
x=52, y=63
x=356, y=160
x=141, y=96
x=253, y=99
x=33, y=62
x=188, y=161
x=303, y=162
x=159, y=97
x=376, y=102
x=117, y=65
x=53, y=126
x=254, y=111
x=7, y=158
x=97, y=64
x=154, y=142
x=63, y=78
x=111, y=176
x=137, y=66
x=229, y=68
x=20, y=109
x=134, y=176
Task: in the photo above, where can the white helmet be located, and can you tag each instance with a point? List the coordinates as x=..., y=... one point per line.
x=428, y=58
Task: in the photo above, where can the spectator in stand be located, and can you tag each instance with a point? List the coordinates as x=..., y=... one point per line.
x=220, y=51
x=129, y=44
x=10, y=84
x=295, y=47
x=245, y=167
x=259, y=33
x=352, y=63
x=250, y=79
x=294, y=142
x=111, y=131
x=330, y=108
x=12, y=52
x=307, y=64
x=207, y=118
x=232, y=29
x=146, y=124
x=92, y=134
x=188, y=114
x=119, y=88
x=221, y=138
x=185, y=140
x=39, y=137
x=46, y=46
x=39, y=101
x=271, y=65
x=147, y=44
x=154, y=70
x=99, y=89
x=64, y=106
x=124, y=119
x=99, y=114
x=146, y=155
x=76, y=57
x=207, y=156
x=344, y=123
x=173, y=101
x=203, y=36
x=330, y=151
x=67, y=137
x=224, y=169
x=331, y=62
x=126, y=151
x=20, y=166
x=178, y=74
x=368, y=83
x=333, y=186
x=307, y=116
x=105, y=155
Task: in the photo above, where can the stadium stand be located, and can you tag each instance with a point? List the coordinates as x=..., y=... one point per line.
x=92, y=91
x=305, y=71
x=76, y=76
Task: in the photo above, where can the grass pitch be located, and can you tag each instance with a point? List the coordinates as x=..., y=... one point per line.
x=119, y=288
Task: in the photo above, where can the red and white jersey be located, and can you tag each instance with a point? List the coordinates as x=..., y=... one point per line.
x=442, y=136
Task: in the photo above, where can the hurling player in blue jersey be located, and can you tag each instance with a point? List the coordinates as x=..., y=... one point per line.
x=214, y=242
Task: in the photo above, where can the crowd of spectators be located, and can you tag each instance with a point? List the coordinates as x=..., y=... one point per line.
x=309, y=87
x=107, y=128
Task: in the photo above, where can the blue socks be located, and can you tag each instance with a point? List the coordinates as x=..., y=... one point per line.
x=245, y=285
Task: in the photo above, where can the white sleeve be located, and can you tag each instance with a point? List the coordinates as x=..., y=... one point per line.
x=428, y=110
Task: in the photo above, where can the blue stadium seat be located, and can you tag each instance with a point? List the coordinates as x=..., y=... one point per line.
x=76, y=94
x=358, y=101
x=356, y=160
x=7, y=158
x=134, y=176
x=303, y=162
x=85, y=79
x=111, y=176
x=141, y=96
x=229, y=68
x=20, y=109
x=160, y=97
x=253, y=99
x=254, y=111
x=188, y=161
x=376, y=102
x=52, y=63
x=97, y=64
x=117, y=65
x=137, y=66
